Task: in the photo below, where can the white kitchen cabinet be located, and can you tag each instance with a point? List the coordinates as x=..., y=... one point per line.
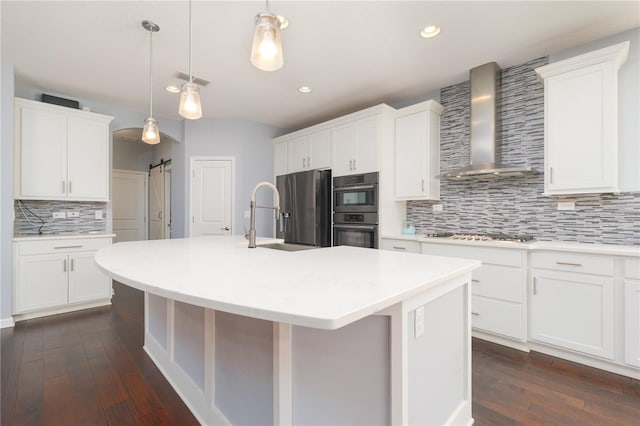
x=498, y=305
x=581, y=122
x=572, y=310
x=309, y=152
x=58, y=275
x=405, y=246
x=60, y=153
x=632, y=312
x=280, y=158
x=355, y=147
x=417, y=152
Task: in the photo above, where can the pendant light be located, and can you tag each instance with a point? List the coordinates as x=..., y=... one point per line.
x=190, y=106
x=150, y=133
x=266, y=52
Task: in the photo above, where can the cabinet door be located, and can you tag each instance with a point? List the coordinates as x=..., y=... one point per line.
x=573, y=311
x=410, y=151
x=343, y=142
x=86, y=281
x=319, y=150
x=367, y=141
x=297, y=154
x=43, y=154
x=280, y=159
x=88, y=159
x=41, y=282
x=581, y=131
x=632, y=322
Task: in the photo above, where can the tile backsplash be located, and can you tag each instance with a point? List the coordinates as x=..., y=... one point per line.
x=84, y=223
x=515, y=205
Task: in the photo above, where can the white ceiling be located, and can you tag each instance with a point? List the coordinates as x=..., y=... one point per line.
x=353, y=54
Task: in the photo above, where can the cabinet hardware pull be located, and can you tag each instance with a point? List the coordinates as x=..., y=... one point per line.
x=550, y=174
x=535, y=287
x=64, y=188
x=70, y=190
x=475, y=313
x=66, y=247
x=304, y=162
x=64, y=265
x=354, y=164
x=475, y=280
x=350, y=165
x=71, y=261
x=568, y=264
x=399, y=248
x=422, y=185
x=308, y=161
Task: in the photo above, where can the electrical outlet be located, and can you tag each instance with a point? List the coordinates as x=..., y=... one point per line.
x=436, y=208
x=566, y=205
x=419, y=321
x=247, y=214
x=98, y=214
x=73, y=214
x=59, y=215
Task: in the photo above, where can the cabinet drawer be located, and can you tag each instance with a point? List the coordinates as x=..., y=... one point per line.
x=401, y=245
x=573, y=262
x=632, y=268
x=495, y=255
x=23, y=248
x=497, y=316
x=499, y=282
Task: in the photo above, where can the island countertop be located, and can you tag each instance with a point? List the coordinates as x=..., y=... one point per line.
x=324, y=288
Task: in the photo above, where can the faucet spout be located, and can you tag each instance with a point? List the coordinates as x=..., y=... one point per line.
x=252, y=228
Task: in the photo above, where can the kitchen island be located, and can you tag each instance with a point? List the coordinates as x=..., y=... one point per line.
x=338, y=335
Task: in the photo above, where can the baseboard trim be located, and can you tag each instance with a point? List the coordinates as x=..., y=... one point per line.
x=7, y=322
x=61, y=310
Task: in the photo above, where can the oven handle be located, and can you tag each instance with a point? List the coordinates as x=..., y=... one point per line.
x=365, y=227
x=353, y=188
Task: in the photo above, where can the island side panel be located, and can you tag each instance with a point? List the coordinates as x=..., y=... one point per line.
x=342, y=376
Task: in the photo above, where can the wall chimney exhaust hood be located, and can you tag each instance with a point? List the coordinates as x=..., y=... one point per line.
x=484, y=130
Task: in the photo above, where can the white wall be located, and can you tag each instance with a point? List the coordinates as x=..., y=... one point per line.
x=250, y=144
x=6, y=193
x=628, y=101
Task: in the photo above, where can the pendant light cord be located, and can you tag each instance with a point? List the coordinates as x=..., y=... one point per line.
x=190, y=54
x=150, y=73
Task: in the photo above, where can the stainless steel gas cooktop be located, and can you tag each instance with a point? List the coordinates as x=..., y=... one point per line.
x=482, y=237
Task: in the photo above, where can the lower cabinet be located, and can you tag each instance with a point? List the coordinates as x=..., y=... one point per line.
x=58, y=274
x=632, y=312
x=405, y=246
x=572, y=301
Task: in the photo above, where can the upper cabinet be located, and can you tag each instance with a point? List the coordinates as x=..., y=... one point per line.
x=309, y=152
x=60, y=153
x=417, y=152
x=280, y=158
x=356, y=146
x=581, y=122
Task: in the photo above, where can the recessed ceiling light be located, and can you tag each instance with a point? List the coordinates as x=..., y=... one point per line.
x=430, y=31
x=172, y=89
x=304, y=89
x=284, y=22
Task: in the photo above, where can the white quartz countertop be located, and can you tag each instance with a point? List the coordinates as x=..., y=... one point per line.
x=63, y=236
x=604, y=249
x=324, y=288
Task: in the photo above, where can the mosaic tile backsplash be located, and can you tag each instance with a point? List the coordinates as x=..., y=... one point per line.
x=515, y=205
x=86, y=222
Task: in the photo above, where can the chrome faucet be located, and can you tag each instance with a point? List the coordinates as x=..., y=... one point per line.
x=252, y=228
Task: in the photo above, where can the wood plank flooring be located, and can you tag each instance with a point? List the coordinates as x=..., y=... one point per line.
x=88, y=368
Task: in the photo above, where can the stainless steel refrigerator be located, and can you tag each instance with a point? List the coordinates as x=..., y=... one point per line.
x=306, y=196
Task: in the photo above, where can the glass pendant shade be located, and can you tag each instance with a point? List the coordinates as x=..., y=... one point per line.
x=150, y=132
x=266, y=52
x=190, y=106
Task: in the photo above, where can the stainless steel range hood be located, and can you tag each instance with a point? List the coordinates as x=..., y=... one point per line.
x=484, y=130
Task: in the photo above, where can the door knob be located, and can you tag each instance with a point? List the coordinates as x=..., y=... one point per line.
x=224, y=228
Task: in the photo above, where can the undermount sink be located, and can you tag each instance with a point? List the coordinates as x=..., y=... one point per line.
x=286, y=246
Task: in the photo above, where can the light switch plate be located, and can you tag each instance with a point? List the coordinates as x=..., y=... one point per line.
x=436, y=208
x=59, y=215
x=73, y=214
x=566, y=205
x=98, y=214
x=247, y=214
x=419, y=321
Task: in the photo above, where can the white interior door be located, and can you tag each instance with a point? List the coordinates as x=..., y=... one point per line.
x=211, y=197
x=129, y=205
x=156, y=203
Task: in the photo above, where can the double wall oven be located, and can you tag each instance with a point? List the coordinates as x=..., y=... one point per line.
x=355, y=207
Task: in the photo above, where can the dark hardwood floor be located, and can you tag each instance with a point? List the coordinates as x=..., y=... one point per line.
x=88, y=368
